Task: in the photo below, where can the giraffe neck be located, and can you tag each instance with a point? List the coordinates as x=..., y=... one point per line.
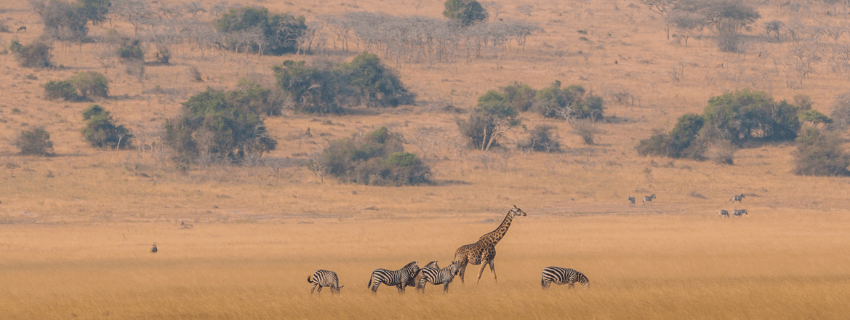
x=496, y=235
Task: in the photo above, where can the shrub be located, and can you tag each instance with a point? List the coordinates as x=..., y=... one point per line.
x=214, y=125
x=101, y=132
x=62, y=20
x=4, y=27
x=280, y=31
x=33, y=55
x=492, y=117
x=841, y=112
x=586, y=130
x=377, y=158
x=34, y=142
x=820, y=154
x=569, y=103
x=131, y=51
x=378, y=85
x=312, y=89
x=259, y=99
x=163, y=52
x=60, y=89
x=466, y=12
x=743, y=115
x=90, y=83
x=682, y=142
x=541, y=138
x=520, y=96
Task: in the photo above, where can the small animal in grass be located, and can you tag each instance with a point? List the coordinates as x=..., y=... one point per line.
x=22, y=28
x=648, y=199
x=631, y=200
x=154, y=249
x=324, y=278
x=737, y=197
x=738, y=213
x=723, y=213
x=561, y=276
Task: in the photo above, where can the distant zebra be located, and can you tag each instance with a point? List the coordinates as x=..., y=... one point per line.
x=563, y=276
x=401, y=278
x=648, y=199
x=631, y=200
x=324, y=278
x=437, y=276
x=154, y=250
x=738, y=213
x=724, y=213
x=737, y=197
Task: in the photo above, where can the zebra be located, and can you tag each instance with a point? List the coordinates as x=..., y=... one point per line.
x=724, y=213
x=324, y=278
x=437, y=276
x=401, y=278
x=738, y=213
x=631, y=201
x=563, y=276
x=737, y=197
x=154, y=250
x=648, y=199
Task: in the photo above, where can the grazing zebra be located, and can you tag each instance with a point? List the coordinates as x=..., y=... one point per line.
x=631, y=200
x=737, y=197
x=401, y=278
x=438, y=276
x=724, y=213
x=563, y=276
x=154, y=250
x=648, y=199
x=324, y=278
x=738, y=213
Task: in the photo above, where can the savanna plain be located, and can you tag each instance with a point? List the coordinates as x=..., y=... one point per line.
x=76, y=228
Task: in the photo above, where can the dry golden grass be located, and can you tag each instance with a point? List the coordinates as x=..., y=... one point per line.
x=75, y=229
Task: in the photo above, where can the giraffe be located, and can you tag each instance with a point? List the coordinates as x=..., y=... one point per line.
x=483, y=251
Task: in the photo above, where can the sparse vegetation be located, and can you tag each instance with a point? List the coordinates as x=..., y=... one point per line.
x=33, y=55
x=377, y=158
x=101, y=132
x=542, y=138
x=34, y=142
x=261, y=31
x=820, y=153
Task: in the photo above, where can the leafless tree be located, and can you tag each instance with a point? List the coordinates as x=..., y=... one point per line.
x=664, y=8
x=525, y=9
x=194, y=9
x=136, y=12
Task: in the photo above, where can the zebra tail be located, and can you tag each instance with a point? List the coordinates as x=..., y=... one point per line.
x=309, y=279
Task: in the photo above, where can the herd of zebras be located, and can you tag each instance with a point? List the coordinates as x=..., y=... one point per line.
x=482, y=252
x=735, y=212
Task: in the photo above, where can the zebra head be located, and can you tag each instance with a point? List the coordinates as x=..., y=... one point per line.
x=454, y=268
x=518, y=211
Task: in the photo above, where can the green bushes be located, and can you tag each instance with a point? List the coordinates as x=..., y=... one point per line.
x=820, y=153
x=33, y=55
x=491, y=118
x=131, y=51
x=542, y=139
x=569, y=103
x=681, y=142
x=466, y=12
x=218, y=125
x=326, y=88
x=34, y=142
x=101, y=132
x=79, y=87
x=68, y=21
x=279, y=31
x=377, y=158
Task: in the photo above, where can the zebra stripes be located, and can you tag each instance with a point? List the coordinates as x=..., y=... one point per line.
x=738, y=213
x=437, y=276
x=737, y=197
x=401, y=278
x=324, y=278
x=724, y=213
x=648, y=199
x=561, y=276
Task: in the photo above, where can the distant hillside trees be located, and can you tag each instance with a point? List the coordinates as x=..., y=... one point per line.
x=739, y=118
x=218, y=125
x=377, y=158
x=79, y=87
x=101, y=132
x=33, y=55
x=492, y=117
x=820, y=153
x=279, y=32
x=325, y=88
x=68, y=21
x=466, y=12
x=727, y=17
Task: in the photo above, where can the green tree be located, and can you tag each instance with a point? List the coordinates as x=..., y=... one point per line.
x=321, y=89
x=34, y=142
x=90, y=83
x=280, y=31
x=520, y=96
x=378, y=85
x=212, y=125
x=101, y=132
x=62, y=89
x=743, y=115
x=568, y=103
x=492, y=117
x=681, y=142
x=33, y=55
x=467, y=12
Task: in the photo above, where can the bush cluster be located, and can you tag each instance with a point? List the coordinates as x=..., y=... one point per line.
x=492, y=117
x=34, y=142
x=542, y=138
x=219, y=125
x=466, y=12
x=377, y=158
x=325, y=88
x=820, y=154
x=68, y=21
x=280, y=31
x=33, y=55
x=131, y=51
x=101, y=132
x=79, y=87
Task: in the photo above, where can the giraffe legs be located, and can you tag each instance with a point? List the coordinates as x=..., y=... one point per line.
x=483, y=265
x=493, y=270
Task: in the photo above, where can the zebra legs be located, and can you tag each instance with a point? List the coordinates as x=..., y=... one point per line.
x=401, y=288
x=314, y=288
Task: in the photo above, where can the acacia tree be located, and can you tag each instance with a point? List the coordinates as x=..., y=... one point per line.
x=467, y=12
x=491, y=119
x=664, y=8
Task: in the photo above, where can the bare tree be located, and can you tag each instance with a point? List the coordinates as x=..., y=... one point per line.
x=664, y=8
x=525, y=9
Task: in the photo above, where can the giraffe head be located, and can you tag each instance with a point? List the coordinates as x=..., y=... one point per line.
x=518, y=211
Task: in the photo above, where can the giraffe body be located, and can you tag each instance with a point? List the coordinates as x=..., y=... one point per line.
x=483, y=251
